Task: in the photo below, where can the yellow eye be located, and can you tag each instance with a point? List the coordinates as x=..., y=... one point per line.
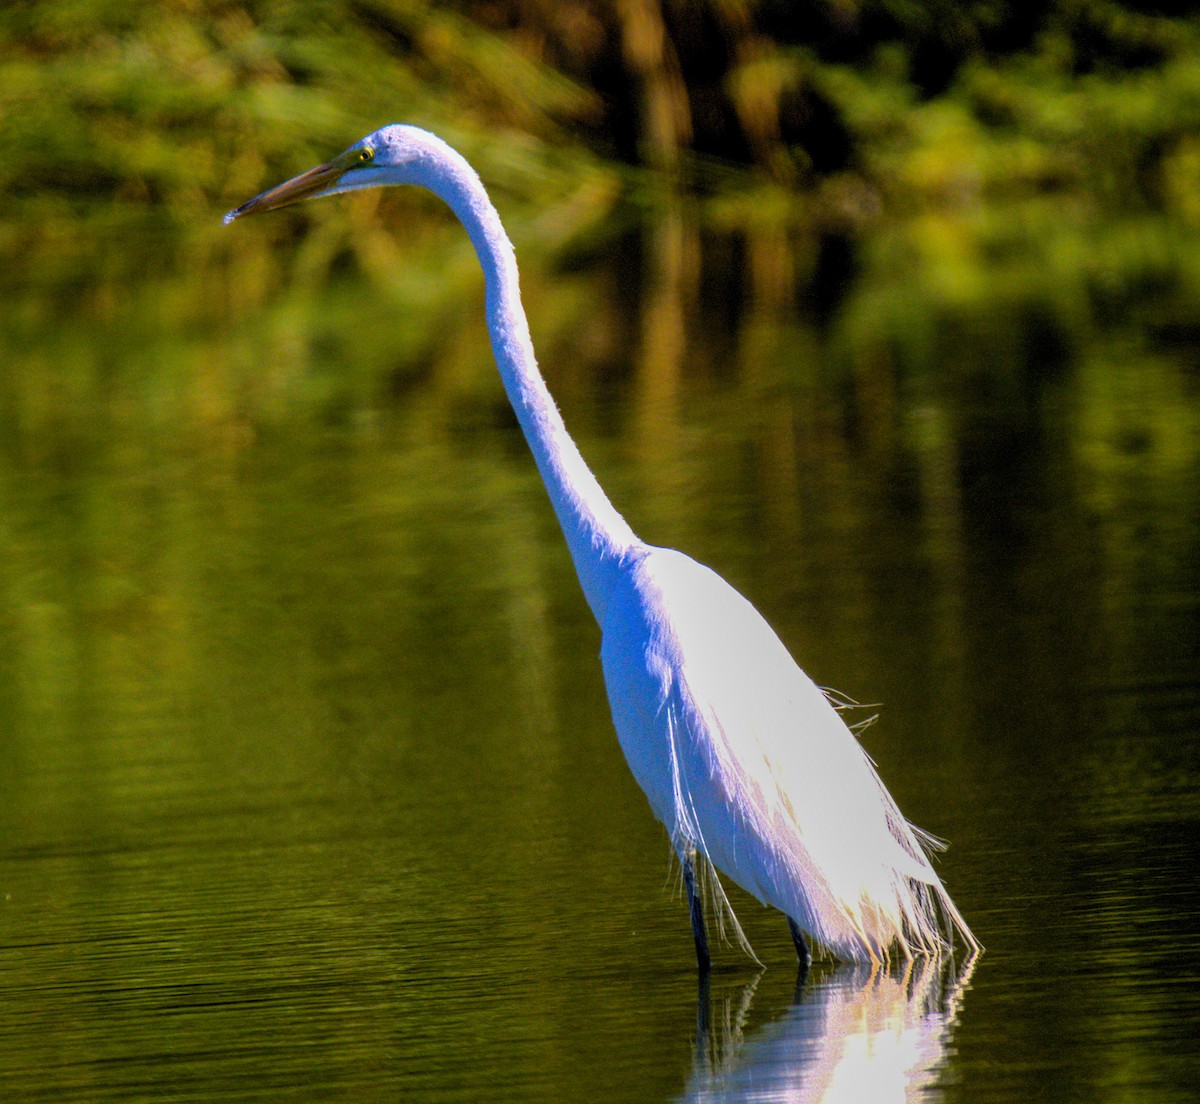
x=364, y=156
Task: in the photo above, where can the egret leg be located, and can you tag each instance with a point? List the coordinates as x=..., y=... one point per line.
x=802, y=951
x=697, y=910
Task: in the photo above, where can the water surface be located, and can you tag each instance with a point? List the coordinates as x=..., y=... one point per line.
x=309, y=788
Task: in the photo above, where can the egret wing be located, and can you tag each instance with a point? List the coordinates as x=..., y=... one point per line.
x=745, y=760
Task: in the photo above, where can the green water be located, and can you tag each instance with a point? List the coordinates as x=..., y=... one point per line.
x=307, y=784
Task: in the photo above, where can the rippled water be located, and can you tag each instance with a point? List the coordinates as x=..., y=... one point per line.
x=309, y=788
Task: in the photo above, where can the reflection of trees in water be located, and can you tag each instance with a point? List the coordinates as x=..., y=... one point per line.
x=853, y=1035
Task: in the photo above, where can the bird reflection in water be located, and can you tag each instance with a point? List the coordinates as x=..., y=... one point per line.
x=854, y=1034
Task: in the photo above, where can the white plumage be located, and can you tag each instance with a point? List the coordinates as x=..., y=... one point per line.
x=748, y=764
x=742, y=757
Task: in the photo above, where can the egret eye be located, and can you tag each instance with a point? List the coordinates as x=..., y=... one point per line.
x=364, y=156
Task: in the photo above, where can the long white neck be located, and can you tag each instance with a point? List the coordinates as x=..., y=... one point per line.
x=599, y=538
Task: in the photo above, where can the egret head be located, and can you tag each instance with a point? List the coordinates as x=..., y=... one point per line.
x=392, y=155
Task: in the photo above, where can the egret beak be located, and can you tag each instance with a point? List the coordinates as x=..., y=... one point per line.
x=300, y=187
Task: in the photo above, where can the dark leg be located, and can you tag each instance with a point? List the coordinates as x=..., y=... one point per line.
x=697, y=911
x=802, y=952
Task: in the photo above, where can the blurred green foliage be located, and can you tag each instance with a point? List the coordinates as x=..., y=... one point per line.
x=930, y=166
x=190, y=102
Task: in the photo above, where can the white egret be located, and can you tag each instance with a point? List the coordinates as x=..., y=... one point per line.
x=744, y=760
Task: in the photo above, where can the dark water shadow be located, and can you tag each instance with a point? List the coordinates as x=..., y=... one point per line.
x=854, y=1034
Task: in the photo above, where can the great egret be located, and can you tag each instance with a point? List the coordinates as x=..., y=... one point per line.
x=744, y=760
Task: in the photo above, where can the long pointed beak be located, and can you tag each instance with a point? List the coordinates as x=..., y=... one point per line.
x=299, y=187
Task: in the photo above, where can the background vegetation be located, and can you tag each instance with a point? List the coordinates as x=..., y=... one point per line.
x=926, y=161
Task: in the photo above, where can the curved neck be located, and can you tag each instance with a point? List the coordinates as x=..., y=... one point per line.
x=599, y=538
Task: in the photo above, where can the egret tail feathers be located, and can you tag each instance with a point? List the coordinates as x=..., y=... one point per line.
x=931, y=920
x=793, y=810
